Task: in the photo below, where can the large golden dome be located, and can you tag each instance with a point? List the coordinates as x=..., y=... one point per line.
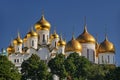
x=61, y=42
x=106, y=46
x=18, y=40
x=86, y=37
x=73, y=45
x=10, y=49
x=42, y=24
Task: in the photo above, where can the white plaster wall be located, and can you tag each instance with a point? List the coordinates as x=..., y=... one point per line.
x=61, y=49
x=35, y=39
x=41, y=33
x=105, y=58
x=16, y=48
x=25, y=44
x=88, y=50
x=53, y=42
x=43, y=53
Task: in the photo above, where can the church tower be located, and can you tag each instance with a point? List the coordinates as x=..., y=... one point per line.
x=88, y=44
x=43, y=28
x=17, y=42
x=106, y=52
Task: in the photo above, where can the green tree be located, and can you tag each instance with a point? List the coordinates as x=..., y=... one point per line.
x=77, y=67
x=8, y=71
x=57, y=66
x=34, y=69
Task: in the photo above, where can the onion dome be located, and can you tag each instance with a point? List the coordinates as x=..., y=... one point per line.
x=42, y=24
x=73, y=45
x=18, y=40
x=25, y=39
x=86, y=37
x=32, y=33
x=61, y=42
x=55, y=35
x=10, y=49
x=106, y=46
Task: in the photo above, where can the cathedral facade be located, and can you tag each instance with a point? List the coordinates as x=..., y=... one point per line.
x=46, y=45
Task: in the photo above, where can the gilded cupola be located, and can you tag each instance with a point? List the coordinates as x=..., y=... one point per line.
x=73, y=45
x=61, y=42
x=10, y=49
x=25, y=39
x=55, y=35
x=106, y=46
x=17, y=40
x=42, y=24
x=86, y=37
x=32, y=33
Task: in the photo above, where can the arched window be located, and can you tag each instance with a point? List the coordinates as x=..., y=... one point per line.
x=108, y=59
x=55, y=44
x=102, y=59
x=43, y=37
x=32, y=42
x=88, y=54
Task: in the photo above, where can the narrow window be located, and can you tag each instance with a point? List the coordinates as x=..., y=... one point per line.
x=102, y=59
x=113, y=60
x=17, y=60
x=47, y=38
x=88, y=54
x=32, y=42
x=43, y=37
x=108, y=59
x=55, y=44
x=18, y=48
x=14, y=60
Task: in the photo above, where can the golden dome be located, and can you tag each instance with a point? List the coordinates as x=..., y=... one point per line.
x=10, y=49
x=42, y=24
x=61, y=42
x=73, y=45
x=32, y=34
x=106, y=46
x=96, y=48
x=18, y=40
x=85, y=37
x=25, y=39
x=55, y=35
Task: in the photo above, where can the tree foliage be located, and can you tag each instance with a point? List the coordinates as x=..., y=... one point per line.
x=8, y=71
x=34, y=69
x=57, y=66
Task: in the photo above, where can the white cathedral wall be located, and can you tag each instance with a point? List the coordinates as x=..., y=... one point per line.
x=25, y=44
x=35, y=40
x=41, y=33
x=43, y=53
x=106, y=58
x=54, y=42
x=88, y=51
x=18, y=48
x=61, y=49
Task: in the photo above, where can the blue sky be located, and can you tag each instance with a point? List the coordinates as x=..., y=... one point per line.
x=102, y=16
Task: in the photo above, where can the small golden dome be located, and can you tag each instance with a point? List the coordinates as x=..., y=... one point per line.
x=73, y=45
x=106, y=46
x=25, y=39
x=18, y=40
x=32, y=34
x=10, y=49
x=42, y=24
x=55, y=35
x=61, y=42
x=85, y=37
